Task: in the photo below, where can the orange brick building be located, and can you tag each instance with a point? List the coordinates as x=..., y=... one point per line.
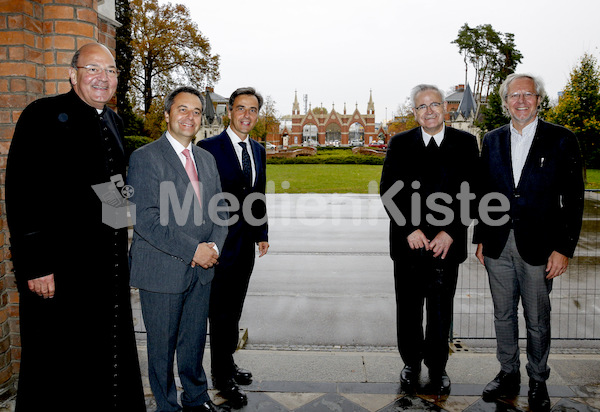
x=331, y=127
x=37, y=40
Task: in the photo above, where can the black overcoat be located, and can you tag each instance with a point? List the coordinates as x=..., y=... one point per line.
x=78, y=348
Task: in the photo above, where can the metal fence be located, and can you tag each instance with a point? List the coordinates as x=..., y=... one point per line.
x=575, y=296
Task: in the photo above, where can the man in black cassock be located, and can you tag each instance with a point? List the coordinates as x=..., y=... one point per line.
x=77, y=339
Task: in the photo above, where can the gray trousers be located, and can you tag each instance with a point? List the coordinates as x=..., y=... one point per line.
x=176, y=322
x=511, y=279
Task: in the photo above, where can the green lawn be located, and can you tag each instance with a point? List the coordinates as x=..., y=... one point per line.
x=322, y=178
x=593, y=179
x=326, y=178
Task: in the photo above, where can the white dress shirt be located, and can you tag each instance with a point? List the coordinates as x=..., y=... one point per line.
x=235, y=140
x=179, y=148
x=520, y=144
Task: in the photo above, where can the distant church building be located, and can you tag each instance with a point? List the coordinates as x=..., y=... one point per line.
x=462, y=109
x=334, y=129
x=212, y=118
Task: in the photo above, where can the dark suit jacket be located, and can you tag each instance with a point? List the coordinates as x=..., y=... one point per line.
x=547, y=205
x=163, y=248
x=407, y=161
x=234, y=187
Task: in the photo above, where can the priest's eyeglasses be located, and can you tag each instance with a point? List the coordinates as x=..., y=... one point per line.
x=432, y=106
x=94, y=70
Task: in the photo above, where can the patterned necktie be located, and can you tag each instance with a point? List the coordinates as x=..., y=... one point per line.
x=192, y=173
x=246, y=165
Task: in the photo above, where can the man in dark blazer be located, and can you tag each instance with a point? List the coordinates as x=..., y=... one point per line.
x=176, y=243
x=242, y=166
x=427, y=240
x=537, y=167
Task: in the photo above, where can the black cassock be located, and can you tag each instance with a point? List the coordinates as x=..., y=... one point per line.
x=78, y=348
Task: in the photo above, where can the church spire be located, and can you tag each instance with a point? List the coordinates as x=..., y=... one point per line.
x=296, y=106
x=371, y=105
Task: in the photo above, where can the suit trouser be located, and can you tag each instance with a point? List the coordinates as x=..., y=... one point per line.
x=419, y=279
x=511, y=279
x=227, y=297
x=176, y=322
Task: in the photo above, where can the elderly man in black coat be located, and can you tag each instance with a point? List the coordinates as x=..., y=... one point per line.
x=78, y=345
x=424, y=172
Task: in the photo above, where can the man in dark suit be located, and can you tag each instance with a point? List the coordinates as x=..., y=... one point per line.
x=422, y=175
x=537, y=167
x=176, y=243
x=242, y=166
x=70, y=267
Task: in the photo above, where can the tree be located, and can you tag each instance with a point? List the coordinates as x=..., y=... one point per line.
x=492, y=54
x=168, y=50
x=267, y=121
x=133, y=124
x=405, y=120
x=492, y=115
x=579, y=108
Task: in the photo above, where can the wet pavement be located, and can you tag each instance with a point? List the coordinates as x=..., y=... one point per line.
x=344, y=379
x=320, y=320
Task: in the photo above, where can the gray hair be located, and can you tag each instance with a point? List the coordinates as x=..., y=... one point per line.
x=184, y=89
x=251, y=91
x=424, y=87
x=503, y=91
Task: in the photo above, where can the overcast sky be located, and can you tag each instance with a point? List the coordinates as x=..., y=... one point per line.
x=337, y=51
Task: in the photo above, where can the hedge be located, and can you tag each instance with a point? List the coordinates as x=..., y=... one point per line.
x=330, y=156
x=135, y=142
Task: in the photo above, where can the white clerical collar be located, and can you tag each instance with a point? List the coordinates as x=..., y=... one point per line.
x=438, y=136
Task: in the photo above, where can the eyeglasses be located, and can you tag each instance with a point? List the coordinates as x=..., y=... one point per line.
x=517, y=96
x=94, y=70
x=433, y=106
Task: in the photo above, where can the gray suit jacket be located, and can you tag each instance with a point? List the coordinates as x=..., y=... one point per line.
x=168, y=226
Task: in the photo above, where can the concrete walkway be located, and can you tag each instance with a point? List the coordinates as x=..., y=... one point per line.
x=345, y=379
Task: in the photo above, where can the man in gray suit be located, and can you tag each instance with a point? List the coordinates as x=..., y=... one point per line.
x=177, y=237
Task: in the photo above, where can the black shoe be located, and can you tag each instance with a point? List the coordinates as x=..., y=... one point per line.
x=539, y=400
x=242, y=376
x=205, y=407
x=504, y=384
x=230, y=390
x=439, y=383
x=409, y=378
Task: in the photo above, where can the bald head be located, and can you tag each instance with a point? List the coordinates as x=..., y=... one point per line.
x=89, y=76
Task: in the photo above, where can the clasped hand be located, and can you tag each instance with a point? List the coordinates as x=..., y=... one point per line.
x=205, y=256
x=440, y=245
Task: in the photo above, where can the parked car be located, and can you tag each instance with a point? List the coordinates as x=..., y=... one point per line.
x=270, y=145
x=356, y=143
x=378, y=144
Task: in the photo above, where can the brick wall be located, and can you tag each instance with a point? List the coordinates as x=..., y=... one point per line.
x=37, y=40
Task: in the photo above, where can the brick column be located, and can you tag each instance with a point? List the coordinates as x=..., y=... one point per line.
x=37, y=40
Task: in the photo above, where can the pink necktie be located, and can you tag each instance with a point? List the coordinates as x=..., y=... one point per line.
x=192, y=173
